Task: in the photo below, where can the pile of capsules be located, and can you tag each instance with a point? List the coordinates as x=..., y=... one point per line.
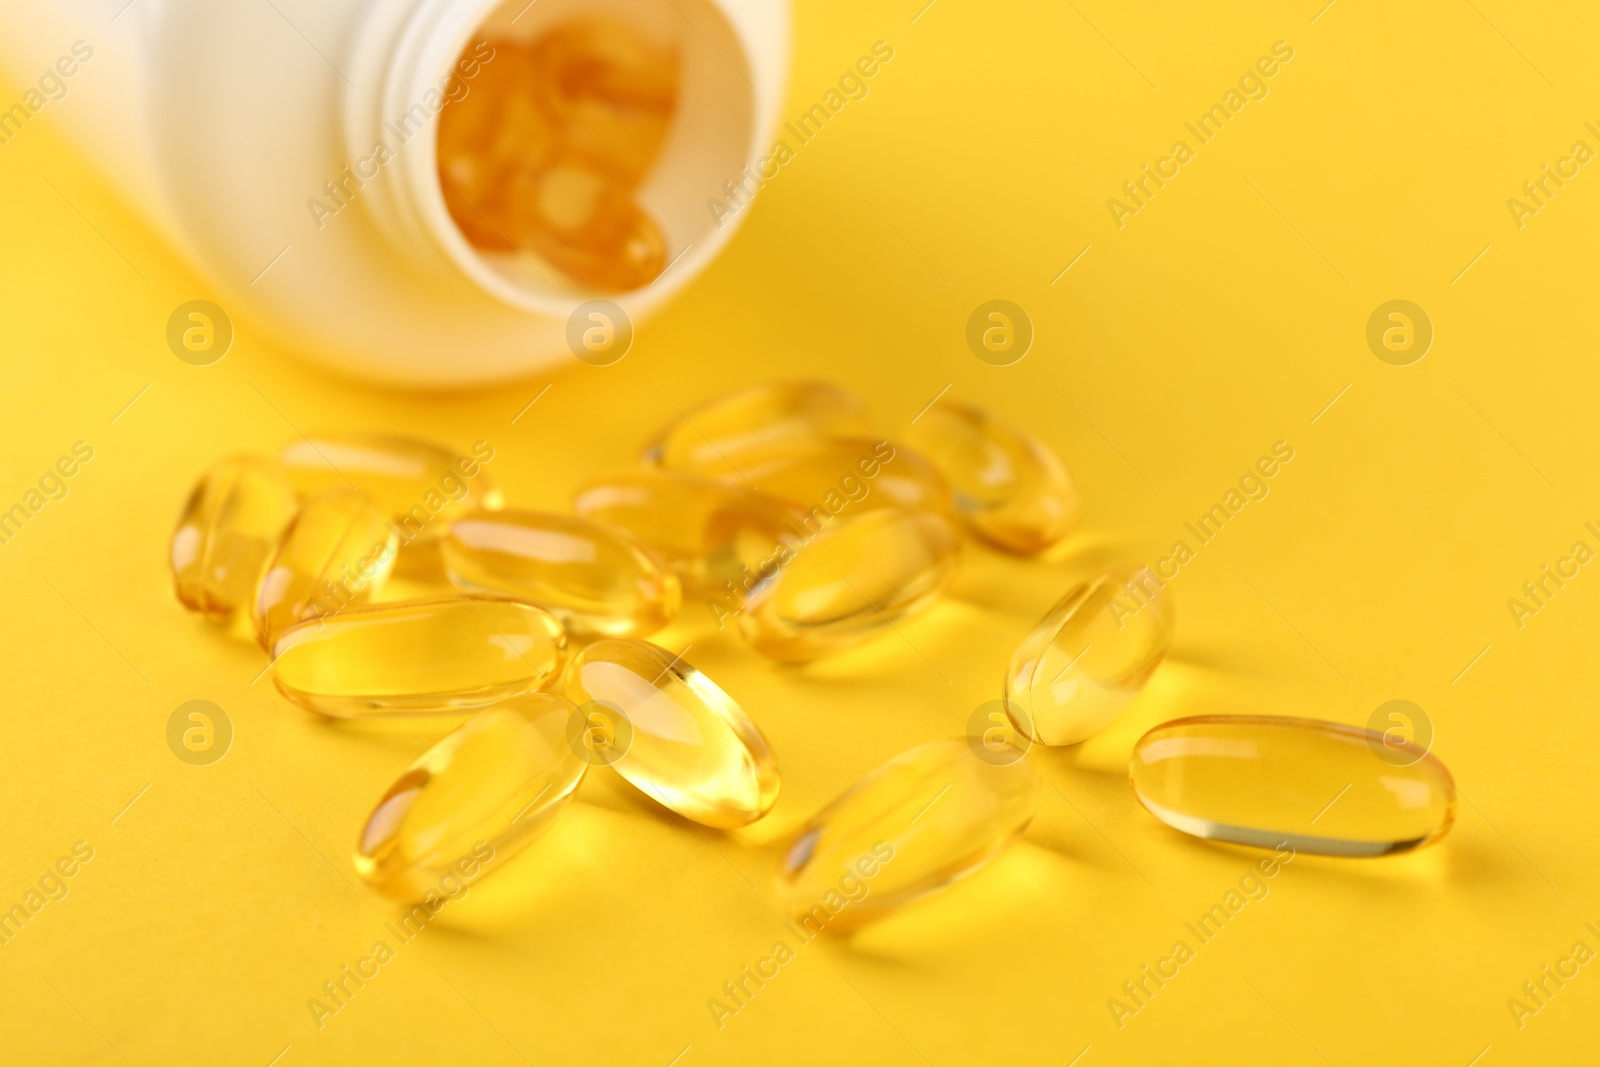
x=548, y=147
x=777, y=509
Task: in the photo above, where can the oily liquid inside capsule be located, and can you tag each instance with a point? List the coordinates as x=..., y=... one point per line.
x=919, y=822
x=673, y=733
x=422, y=487
x=228, y=527
x=1009, y=486
x=1318, y=786
x=337, y=551
x=703, y=441
x=1090, y=655
x=597, y=580
x=546, y=152
x=447, y=654
x=825, y=476
x=709, y=533
x=850, y=583
x=473, y=800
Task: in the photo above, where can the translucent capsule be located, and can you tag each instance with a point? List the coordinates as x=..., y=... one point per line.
x=762, y=415
x=708, y=532
x=596, y=579
x=1009, y=485
x=826, y=475
x=1269, y=780
x=673, y=733
x=1090, y=655
x=919, y=822
x=228, y=527
x=851, y=582
x=473, y=800
x=421, y=486
x=447, y=654
x=545, y=153
x=337, y=551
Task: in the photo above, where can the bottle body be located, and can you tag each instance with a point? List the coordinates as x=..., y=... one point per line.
x=289, y=150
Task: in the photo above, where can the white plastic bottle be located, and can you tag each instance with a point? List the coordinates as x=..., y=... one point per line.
x=222, y=120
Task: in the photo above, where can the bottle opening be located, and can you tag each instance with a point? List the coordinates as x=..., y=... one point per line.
x=584, y=140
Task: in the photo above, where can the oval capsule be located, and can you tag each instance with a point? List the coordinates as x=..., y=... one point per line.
x=422, y=487
x=823, y=476
x=440, y=655
x=759, y=416
x=229, y=524
x=1009, y=486
x=673, y=733
x=708, y=532
x=337, y=551
x=473, y=800
x=850, y=583
x=596, y=579
x=1090, y=655
x=919, y=822
x=1271, y=780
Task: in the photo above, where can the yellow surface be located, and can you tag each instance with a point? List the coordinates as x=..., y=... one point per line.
x=1222, y=318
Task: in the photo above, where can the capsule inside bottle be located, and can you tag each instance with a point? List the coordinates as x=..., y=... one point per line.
x=544, y=154
x=708, y=532
x=596, y=579
x=919, y=822
x=708, y=435
x=827, y=476
x=229, y=524
x=850, y=583
x=1316, y=786
x=1090, y=655
x=473, y=800
x=422, y=487
x=673, y=733
x=337, y=551
x=1009, y=486
x=448, y=654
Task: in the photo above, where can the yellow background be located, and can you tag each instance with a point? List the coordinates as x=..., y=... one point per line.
x=1225, y=316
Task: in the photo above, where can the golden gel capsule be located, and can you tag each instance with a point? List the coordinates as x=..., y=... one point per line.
x=1090, y=655
x=673, y=733
x=421, y=486
x=850, y=583
x=1009, y=485
x=827, y=475
x=473, y=800
x=337, y=551
x=596, y=579
x=708, y=532
x=762, y=415
x=449, y=654
x=919, y=822
x=226, y=531
x=1317, y=786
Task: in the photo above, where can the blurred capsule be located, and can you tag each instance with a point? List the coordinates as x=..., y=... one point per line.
x=827, y=475
x=1090, y=655
x=919, y=822
x=228, y=527
x=598, y=581
x=708, y=532
x=473, y=800
x=1314, y=786
x=673, y=733
x=587, y=224
x=421, y=486
x=336, y=551
x=851, y=582
x=448, y=654
x=1009, y=485
x=761, y=415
